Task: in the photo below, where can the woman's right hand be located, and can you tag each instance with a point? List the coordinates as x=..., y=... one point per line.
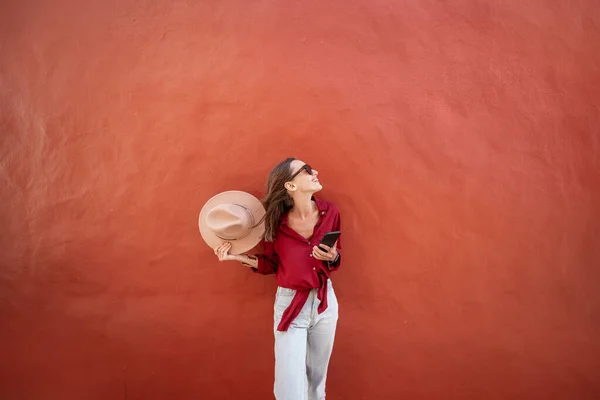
x=222, y=252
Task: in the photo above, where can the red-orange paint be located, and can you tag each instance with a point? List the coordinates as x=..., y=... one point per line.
x=462, y=136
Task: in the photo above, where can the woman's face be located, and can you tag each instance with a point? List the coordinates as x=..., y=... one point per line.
x=303, y=181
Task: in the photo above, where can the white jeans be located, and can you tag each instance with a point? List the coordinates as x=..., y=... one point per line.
x=302, y=352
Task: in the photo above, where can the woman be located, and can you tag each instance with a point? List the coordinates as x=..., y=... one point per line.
x=306, y=309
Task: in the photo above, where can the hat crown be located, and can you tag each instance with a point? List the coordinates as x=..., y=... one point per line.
x=230, y=221
x=231, y=216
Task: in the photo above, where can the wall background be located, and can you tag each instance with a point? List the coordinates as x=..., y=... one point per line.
x=459, y=138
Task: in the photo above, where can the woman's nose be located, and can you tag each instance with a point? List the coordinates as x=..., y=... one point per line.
x=315, y=172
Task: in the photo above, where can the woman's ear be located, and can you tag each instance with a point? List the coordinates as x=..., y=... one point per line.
x=290, y=186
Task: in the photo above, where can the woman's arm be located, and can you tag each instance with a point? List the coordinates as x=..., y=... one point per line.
x=248, y=260
x=264, y=264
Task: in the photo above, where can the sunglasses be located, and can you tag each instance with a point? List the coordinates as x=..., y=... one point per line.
x=306, y=168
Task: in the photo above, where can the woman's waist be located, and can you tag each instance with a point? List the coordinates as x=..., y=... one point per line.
x=286, y=290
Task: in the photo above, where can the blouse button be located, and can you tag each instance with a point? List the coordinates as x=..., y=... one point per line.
x=322, y=212
x=310, y=254
x=314, y=269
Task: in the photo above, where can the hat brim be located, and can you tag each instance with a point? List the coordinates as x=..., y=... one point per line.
x=233, y=197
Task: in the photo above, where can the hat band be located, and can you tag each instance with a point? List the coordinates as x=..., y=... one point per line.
x=248, y=229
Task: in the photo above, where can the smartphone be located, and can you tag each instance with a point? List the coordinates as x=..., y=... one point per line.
x=329, y=239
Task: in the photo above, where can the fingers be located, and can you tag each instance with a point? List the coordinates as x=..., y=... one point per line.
x=222, y=250
x=225, y=251
x=322, y=255
x=327, y=248
x=324, y=246
x=318, y=253
x=318, y=256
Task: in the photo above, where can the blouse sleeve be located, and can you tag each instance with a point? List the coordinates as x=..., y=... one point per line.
x=337, y=226
x=268, y=261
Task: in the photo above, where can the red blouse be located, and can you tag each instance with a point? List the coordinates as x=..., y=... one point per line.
x=290, y=257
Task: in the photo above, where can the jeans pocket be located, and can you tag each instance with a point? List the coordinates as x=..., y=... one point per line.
x=283, y=299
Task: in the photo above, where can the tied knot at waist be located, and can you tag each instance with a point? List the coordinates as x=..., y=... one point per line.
x=298, y=302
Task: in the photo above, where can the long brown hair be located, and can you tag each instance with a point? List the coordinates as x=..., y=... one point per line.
x=277, y=201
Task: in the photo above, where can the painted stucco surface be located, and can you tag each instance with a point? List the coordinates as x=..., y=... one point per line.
x=460, y=139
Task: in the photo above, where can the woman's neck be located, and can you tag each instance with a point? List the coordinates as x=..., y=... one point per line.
x=303, y=206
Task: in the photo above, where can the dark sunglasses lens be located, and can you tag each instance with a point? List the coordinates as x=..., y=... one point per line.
x=308, y=169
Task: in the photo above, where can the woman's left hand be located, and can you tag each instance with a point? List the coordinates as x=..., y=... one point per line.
x=328, y=255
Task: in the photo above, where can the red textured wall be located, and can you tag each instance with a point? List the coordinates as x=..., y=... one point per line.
x=461, y=140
